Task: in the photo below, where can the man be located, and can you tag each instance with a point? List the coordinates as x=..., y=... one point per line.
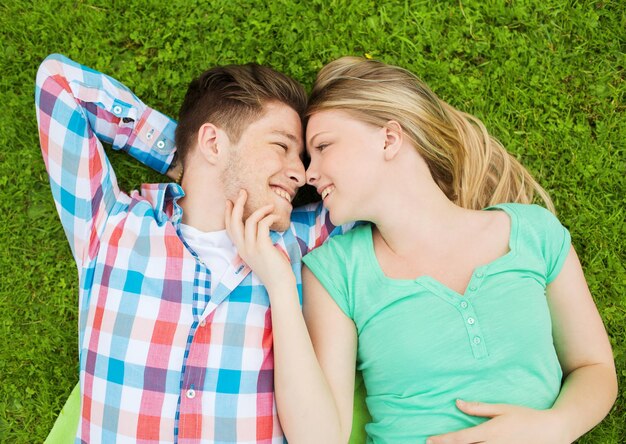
x=175, y=333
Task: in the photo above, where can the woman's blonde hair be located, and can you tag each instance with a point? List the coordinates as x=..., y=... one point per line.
x=471, y=167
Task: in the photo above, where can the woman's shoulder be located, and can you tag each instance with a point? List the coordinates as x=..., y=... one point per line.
x=528, y=215
x=533, y=223
x=540, y=234
x=522, y=208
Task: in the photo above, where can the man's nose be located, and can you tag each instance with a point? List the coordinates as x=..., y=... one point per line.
x=296, y=171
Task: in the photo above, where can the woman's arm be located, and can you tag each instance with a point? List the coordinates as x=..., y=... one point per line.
x=334, y=340
x=589, y=387
x=314, y=399
x=590, y=384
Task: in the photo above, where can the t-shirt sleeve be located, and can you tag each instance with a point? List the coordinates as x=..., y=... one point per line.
x=556, y=242
x=328, y=264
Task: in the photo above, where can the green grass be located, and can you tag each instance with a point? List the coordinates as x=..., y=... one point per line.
x=546, y=77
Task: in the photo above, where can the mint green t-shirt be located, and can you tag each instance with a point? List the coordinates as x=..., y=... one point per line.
x=421, y=345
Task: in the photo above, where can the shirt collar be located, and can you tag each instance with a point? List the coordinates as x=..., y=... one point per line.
x=163, y=197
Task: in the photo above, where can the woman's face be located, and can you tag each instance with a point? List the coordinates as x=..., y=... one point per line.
x=346, y=155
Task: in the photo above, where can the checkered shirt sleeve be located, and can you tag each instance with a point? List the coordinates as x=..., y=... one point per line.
x=74, y=102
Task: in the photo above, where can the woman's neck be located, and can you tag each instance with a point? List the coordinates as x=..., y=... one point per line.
x=408, y=208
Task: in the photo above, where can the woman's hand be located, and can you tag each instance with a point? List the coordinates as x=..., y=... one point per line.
x=254, y=245
x=509, y=424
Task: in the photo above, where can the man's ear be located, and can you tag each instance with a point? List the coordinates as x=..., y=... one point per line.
x=210, y=142
x=393, y=139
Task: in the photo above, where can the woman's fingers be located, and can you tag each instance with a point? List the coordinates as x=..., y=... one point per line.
x=238, y=206
x=227, y=215
x=263, y=227
x=247, y=233
x=233, y=219
x=252, y=239
x=252, y=223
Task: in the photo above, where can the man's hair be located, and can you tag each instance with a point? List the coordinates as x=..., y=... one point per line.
x=231, y=97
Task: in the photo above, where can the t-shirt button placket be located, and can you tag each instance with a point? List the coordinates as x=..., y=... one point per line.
x=474, y=333
x=475, y=282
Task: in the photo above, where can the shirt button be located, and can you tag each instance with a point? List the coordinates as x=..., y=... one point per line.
x=479, y=274
x=117, y=109
x=476, y=340
x=471, y=321
x=149, y=135
x=191, y=393
x=160, y=144
x=473, y=288
x=203, y=323
x=463, y=304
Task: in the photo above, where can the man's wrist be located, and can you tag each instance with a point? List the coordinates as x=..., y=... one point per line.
x=175, y=171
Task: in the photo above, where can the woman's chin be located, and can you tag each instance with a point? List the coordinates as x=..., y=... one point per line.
x=339, y=219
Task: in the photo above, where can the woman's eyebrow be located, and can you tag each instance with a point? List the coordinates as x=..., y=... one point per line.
x=310, y=142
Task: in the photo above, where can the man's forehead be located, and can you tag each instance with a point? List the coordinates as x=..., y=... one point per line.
x=279, y=118
x=287, y=134
x=278, y=121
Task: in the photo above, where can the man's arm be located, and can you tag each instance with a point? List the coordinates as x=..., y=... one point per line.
x=77, y=109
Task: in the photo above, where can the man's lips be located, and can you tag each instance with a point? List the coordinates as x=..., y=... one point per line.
x=282, y=192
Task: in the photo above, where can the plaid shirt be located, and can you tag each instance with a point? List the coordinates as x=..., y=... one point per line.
x=164, y=356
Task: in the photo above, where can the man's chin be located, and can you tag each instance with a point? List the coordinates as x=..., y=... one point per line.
x=281, y=225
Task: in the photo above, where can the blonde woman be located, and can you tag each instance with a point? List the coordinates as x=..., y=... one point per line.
x=464, y=305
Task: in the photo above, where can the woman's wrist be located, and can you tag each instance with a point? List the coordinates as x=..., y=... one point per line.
x=281, y=286
x=560, y=426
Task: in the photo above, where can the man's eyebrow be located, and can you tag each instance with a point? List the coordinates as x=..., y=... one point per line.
x=289, y=136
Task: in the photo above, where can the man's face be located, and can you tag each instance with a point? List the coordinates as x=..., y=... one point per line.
x=267, y=163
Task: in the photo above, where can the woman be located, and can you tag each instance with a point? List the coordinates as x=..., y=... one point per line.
x=457, y=289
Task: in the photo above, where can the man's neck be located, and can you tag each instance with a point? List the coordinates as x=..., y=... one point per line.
x=203, y=205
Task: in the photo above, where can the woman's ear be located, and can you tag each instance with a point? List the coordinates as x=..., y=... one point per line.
x=393, y=139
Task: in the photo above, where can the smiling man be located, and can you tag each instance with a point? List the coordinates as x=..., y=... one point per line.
x=175, y=335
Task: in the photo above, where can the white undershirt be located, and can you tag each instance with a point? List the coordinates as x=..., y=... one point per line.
x=214, y=248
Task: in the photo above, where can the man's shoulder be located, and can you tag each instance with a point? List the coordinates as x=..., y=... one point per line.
x=304, y=213
x=358, y=235
x=308, y=216
x=352, y=242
